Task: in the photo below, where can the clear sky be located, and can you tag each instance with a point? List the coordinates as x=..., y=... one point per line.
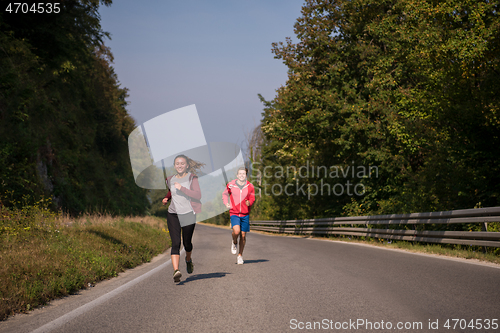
x=215, y=54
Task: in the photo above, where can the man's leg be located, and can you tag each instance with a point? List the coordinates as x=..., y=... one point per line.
x=245, y=227
x=243, y=240
x=236, y=233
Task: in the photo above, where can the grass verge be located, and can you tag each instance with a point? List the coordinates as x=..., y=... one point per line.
x=45, y=255
x=448, y=250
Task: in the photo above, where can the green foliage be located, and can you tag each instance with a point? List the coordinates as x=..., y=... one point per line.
x=157, y=208
x=407, y=86
x=63, y=121
x=221, y=219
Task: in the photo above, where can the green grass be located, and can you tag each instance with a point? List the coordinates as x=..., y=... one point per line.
x=44, y=256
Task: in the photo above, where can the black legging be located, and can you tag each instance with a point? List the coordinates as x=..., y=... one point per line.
x=174, y=229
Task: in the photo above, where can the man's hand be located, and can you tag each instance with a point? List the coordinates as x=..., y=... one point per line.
x=164, y=201
x=177, y=186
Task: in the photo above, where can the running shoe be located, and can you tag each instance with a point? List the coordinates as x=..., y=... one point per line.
x=240, y=260
x=177, y=275
x=234, y=248
x=189, y=266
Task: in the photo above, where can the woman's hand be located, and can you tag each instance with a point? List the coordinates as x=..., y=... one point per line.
x=247, y=202
x=228, y=205
x=177, y=186
x=164, y=201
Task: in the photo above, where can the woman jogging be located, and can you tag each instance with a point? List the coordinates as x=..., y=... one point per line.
x=242, y=195
x=185, y=194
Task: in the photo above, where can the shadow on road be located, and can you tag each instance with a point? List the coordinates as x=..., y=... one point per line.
x=255, y=261
x=203, y=276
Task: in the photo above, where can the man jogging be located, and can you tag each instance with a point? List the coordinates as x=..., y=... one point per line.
x=242, y=195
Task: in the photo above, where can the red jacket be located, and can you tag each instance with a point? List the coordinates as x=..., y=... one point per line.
x=238, y=197
x=193, y=192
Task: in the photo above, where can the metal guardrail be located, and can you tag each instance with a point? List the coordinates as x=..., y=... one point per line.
x=331, y=226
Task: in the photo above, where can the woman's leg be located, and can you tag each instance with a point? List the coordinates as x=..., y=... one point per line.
x=174, y=229
x=187, y=236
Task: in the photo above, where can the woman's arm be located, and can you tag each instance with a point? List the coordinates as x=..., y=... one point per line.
x=194, y=192
x=169, y=194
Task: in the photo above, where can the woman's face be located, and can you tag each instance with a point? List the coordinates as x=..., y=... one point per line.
x=180, y=165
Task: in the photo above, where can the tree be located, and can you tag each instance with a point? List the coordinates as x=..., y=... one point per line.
x=64, y=125
x=407, y=86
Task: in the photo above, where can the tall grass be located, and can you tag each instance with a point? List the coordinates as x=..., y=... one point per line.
x=44, y=254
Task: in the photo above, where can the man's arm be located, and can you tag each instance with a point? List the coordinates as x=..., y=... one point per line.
x=225, y=196
x=251, y=195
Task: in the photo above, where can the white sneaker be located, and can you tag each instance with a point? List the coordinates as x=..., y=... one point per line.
x=240, y=260
x=234, y=248
x=177, y=276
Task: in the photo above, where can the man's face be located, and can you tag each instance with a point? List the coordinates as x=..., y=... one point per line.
x=242, y=175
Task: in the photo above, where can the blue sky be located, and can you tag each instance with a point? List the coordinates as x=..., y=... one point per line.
x=215, y=54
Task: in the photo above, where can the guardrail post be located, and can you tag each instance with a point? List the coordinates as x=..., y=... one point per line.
x=484, y=227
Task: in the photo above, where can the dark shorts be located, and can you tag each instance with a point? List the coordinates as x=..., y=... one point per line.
x=243, y=222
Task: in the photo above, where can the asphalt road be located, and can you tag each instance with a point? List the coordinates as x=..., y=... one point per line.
x=287, y=284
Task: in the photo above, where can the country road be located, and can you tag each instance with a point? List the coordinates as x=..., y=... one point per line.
x=287, y=284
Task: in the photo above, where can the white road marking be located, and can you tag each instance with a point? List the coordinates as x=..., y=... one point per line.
x=84, y=308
